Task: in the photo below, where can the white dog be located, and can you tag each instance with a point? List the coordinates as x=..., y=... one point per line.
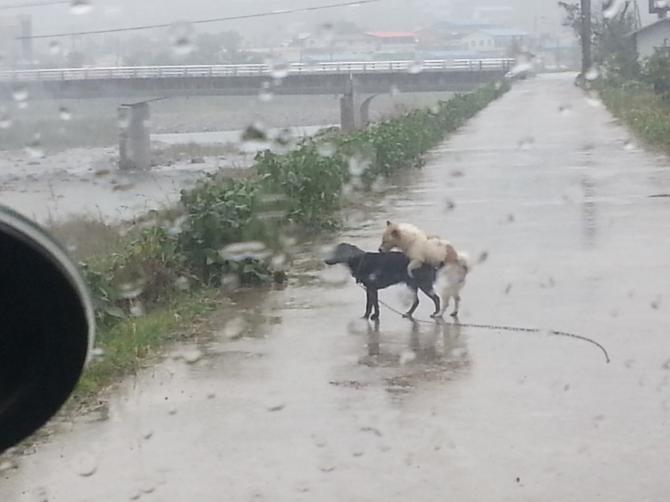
x=453, y=275
x=421, y=248
x=418, y=246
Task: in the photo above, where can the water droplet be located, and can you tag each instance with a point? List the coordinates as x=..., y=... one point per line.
x=520, y=69
x=254, y=250
x=483, y=257
x=176, y=227
x=5, y=120
x=612, y=8
x=235, y=328
x=526, y=143
x=64, y=114
x=131, y=290
x=34, y=148
x=335, y=276
x=279, y=69
x=407, y=357
x=230, y=282
x=79, y=7
x=54, y=47
x=181, y=36
x=20, y=93
x=147, y=435
x=394, y=91
x=450, y=205
x=266, y=95
x=192, y=356
x=137, y=310
x=326, y=33
x=98, y=352
x=358, y=166
x=593, y=100
x=326, y=149
x=415, y=67
x=629, y=145
x=564, y=110
x=182, y=284
x=85, y=464
x=592, y=73
x=656, y=303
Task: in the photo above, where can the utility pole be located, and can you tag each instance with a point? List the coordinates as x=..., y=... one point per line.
x=586, y=36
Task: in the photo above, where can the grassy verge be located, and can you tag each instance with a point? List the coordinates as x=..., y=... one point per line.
x=647, y=114
x=232, y=232
x=125, y=346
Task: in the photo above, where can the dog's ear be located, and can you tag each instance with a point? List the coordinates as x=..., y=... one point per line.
x=388, y=223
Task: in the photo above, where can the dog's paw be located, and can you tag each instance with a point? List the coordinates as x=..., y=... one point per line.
x=437, y=315
x=408, y=315
x=454, y=315
x=375, y=317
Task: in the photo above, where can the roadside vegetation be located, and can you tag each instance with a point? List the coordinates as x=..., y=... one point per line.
x=227, y=233
x=635, y=91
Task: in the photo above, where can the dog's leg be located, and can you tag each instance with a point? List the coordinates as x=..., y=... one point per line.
x=458, y=304
x=446, y=299
x=414, y=306
x=375, y=304
x=430, y=293
x=413, y=265
x=368, y=304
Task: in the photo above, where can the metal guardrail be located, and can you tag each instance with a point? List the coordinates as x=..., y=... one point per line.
x=249, y=70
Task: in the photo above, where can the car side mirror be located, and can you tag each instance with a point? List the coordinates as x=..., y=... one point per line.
x=47, y=327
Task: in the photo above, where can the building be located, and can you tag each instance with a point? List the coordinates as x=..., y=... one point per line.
x=651, y=37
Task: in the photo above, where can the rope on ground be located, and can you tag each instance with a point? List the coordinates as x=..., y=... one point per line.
x=516, y=329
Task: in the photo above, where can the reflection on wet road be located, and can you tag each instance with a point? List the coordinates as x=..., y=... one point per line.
x=306, y=402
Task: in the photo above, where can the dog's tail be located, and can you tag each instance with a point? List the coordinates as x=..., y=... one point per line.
x=465, y=261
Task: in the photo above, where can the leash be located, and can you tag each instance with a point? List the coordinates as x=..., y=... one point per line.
x=513, y=329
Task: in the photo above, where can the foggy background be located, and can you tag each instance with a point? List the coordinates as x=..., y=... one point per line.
x=533, y=16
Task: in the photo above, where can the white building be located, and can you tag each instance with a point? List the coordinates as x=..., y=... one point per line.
x=652, y=37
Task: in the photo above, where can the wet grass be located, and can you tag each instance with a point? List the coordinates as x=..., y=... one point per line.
x=125, y=347
x=645, y=113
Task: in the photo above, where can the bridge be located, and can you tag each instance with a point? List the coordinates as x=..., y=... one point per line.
x=146, y=83
x=369, y=77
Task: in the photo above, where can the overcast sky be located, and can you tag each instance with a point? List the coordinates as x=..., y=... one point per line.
x=529, y=15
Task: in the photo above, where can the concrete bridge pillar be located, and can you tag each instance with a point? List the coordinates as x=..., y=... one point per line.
x=365, y=111
x=348, y=108
x=134, y=137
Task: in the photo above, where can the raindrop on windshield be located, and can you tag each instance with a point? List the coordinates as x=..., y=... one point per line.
x=415, y=67
x=407, y=357
x=592, y=73
x=181, y=36
x=34, y=148
x=64, y=113
x=279, y=69
x=79, y=7
x=5, y=119
x=613, y=8
x=266, y=94
x=85, y=464
x=326, y=149
x=20, y=93
x=235, y=328
x=54, y=47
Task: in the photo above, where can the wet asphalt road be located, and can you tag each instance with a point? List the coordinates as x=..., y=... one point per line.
x=314, y=404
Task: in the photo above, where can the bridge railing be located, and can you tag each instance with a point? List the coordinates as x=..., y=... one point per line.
x=205, y=71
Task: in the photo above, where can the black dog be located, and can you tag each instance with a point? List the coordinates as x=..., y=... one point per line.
x=380, y=270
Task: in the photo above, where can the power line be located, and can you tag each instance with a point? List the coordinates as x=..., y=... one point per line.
x=279, y=12
x=32, y=4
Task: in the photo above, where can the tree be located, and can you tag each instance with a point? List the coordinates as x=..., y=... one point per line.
x=613, y=48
